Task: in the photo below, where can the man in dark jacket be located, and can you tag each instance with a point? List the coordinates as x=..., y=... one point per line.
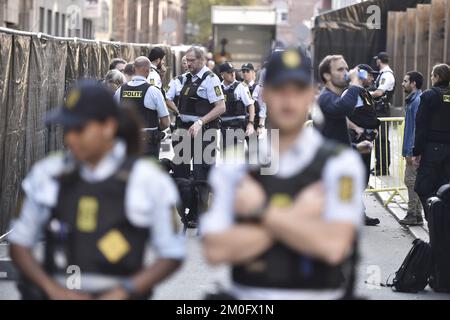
x=333, y=71
x=432, y=141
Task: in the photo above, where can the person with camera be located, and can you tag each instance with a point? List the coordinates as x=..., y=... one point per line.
x=363, y=124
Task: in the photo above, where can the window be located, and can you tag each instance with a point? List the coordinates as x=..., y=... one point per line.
x=87, y=29
x=57, y=24
x=41, y=19
x=63, y=26
x=49, y=21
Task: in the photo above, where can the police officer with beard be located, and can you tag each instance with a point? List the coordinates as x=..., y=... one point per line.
x=383, y=94
x=99, y=206
x=201, y=103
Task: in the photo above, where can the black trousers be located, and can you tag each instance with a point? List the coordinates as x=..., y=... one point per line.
x=227, y=130
x=433, y=172
x=152, y=143
x=201, y=169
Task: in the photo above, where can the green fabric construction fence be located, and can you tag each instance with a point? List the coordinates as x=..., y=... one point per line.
x=35, y=72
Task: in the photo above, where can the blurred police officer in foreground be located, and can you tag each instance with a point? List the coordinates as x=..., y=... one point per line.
x=249, y=76
x=239, y=105
x=364, y=125
x=288, y=235
x=149, y=103
x=175, y=87
x=432, y=143
x=99, y=207
x=383, y=94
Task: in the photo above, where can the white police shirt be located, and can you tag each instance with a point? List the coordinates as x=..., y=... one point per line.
x=175, y=88
x=344, y=168
x=242, y=93
x=153, y=100
x=154, y=77
x=257, y=96
x=149, y=201
x=387, y=79
x=210, y=89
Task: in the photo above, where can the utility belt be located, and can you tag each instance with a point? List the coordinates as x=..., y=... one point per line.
x=234, y=124
x=368, y=135
x=29, y=291
x=153, y=136
x=187, y=125
x=383, y=107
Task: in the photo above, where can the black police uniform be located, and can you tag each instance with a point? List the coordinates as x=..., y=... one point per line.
x=257, y=106
x=135, y=97
x=383, y=145
x=365, y=117
x=433, y=142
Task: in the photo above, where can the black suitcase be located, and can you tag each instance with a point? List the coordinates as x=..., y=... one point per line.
x=439, y=227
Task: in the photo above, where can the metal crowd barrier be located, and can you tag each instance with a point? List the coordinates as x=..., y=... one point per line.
x=388, y=150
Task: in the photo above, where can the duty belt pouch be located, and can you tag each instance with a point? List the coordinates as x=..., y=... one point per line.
x=152, y=137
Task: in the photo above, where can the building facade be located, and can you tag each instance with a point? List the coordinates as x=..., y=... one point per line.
x=148, y=21
x=64, y=18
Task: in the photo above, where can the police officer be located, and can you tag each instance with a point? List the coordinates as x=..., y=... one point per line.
x=175, y=87
x=258, y=97
x=288, y=234
x=201, y=104
x=249, y=76
x=383, y=94
x=239, y=104
x=149, y=101
x=99, y=207
x=432, y=143
x=157, y=58
x=364, y=125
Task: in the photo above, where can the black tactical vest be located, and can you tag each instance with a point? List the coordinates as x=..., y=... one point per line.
x=366, y=116
x=282, y=267
x=89, y=228
x=176, y=100
x=388, y=95
x=440, y=120
x=190, y=102
x=235, y=108
x=257, y=107
x=135, y=96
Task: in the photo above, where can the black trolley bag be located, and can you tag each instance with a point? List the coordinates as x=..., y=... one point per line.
x=439, y=227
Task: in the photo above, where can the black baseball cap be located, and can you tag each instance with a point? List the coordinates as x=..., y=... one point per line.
x=226, y=67
x=156, y=53
x=248, y=66
x=89, y=101
x=367, y=68
x=291, y=65
x=383, y=56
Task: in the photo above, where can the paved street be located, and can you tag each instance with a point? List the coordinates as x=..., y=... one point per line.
x=383, y=249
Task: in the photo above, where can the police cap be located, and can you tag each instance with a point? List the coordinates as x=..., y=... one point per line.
x=291, y=65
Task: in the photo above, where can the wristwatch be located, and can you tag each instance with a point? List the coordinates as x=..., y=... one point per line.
x=261, y=126
x=200, y=123
x=251, y=122
x=256, y=217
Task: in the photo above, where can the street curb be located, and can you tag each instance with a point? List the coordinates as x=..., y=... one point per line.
x=418, y=232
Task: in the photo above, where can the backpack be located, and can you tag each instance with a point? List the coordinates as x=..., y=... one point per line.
x=415, y=270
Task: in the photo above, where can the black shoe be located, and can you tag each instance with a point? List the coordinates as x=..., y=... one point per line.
x=412, y=220
x=371, y=222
